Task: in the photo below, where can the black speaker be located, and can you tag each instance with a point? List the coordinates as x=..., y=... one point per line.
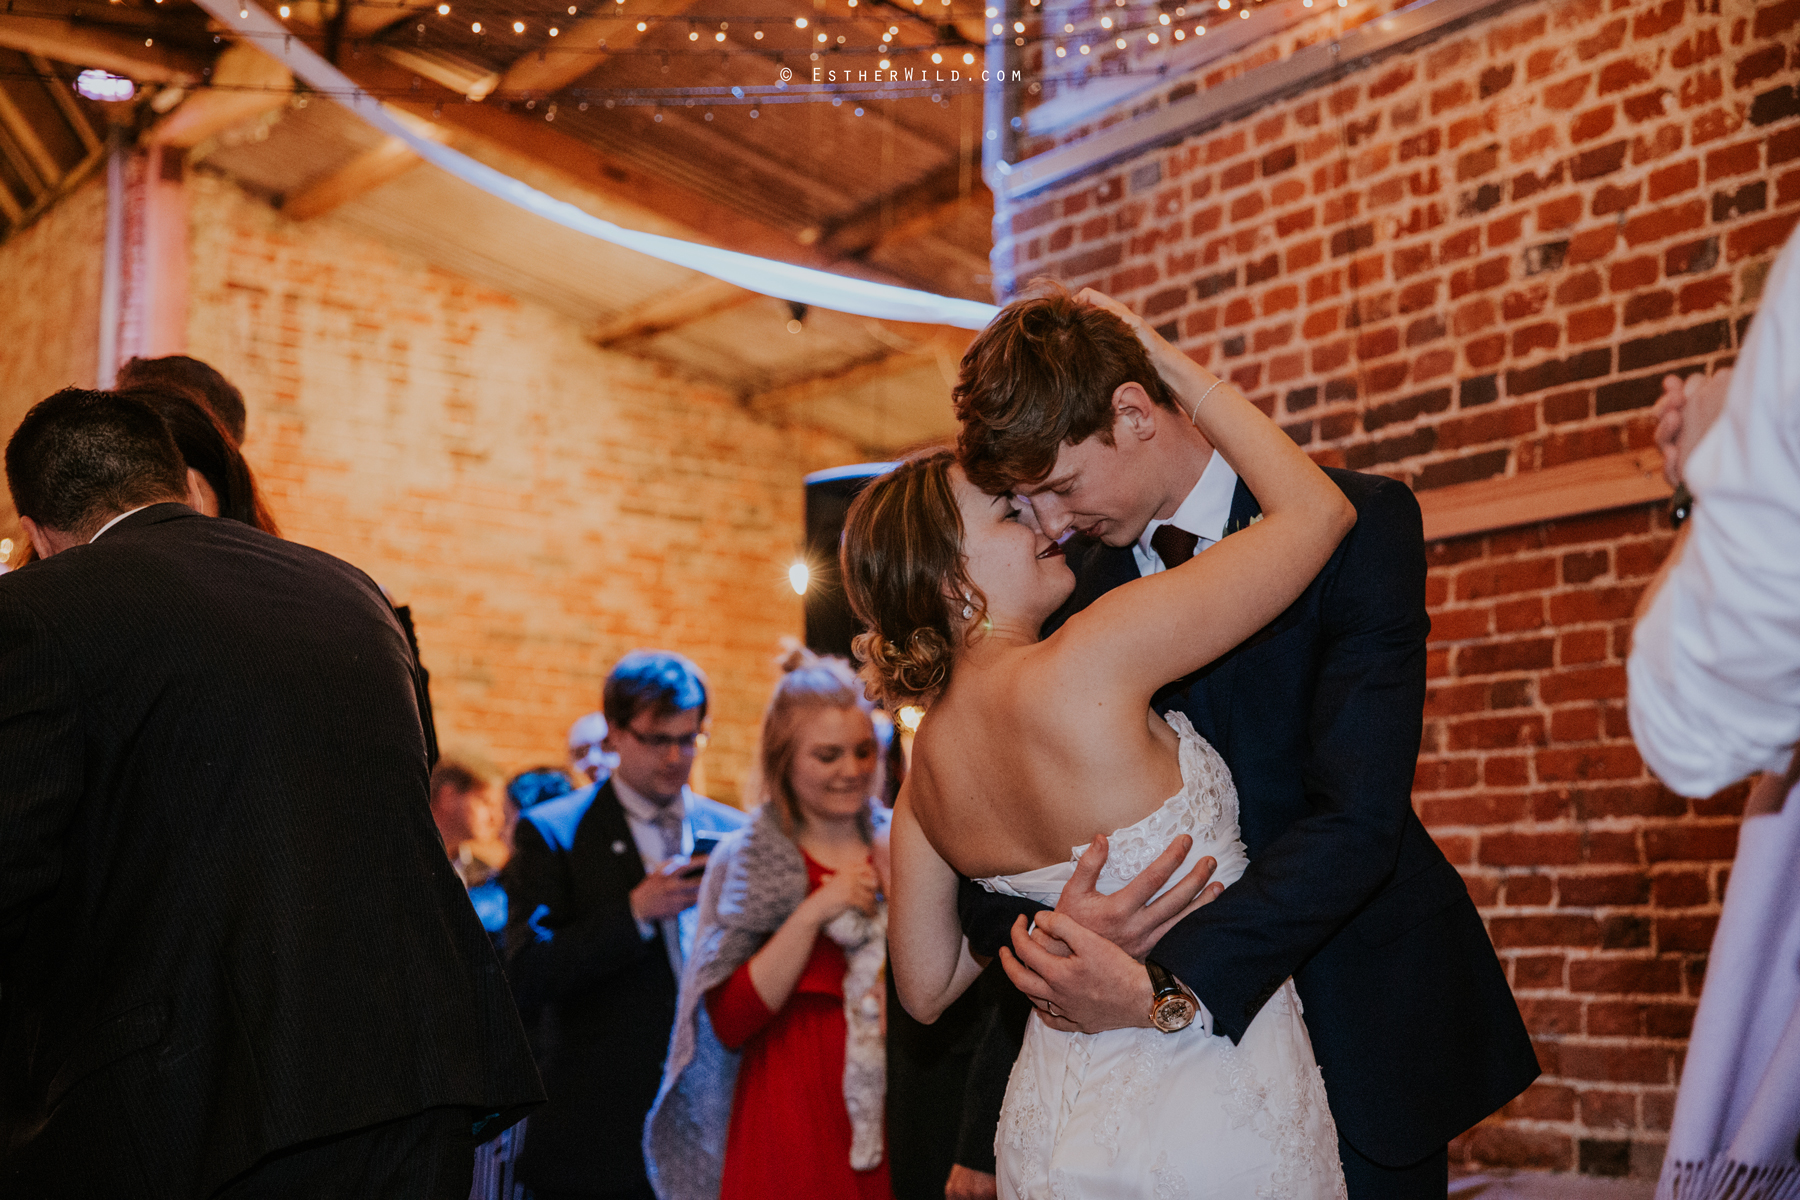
x=829, y=622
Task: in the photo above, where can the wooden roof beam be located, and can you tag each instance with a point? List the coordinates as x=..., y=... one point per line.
x=910, y=212
x=639, y=198
x=21, y=164
x=246, y=83
x=573, y=57
x=9, y=206
x=64, y=95
x=30, y=145
x=67, y=40
x=361, y=175
x=703, y=298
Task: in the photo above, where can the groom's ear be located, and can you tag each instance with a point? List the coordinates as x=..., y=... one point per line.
x=1134, y=413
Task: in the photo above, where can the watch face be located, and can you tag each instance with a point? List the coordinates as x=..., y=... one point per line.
x=1173, y=1013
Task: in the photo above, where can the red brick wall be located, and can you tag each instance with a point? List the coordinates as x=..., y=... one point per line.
x=543, y=505
x=1470, y=261
x=50, y=309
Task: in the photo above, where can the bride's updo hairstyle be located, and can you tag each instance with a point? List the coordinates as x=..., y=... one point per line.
x=809, y=683
x=903, y=561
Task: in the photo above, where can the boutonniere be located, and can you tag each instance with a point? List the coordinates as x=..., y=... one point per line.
x=1242, y=525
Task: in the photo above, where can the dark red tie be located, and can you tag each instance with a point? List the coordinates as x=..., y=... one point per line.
x=1174, y=546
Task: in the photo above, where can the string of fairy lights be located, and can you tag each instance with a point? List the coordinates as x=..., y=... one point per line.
x=723, y=39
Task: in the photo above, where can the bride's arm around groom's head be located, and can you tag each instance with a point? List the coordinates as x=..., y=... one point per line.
x=1169, y=624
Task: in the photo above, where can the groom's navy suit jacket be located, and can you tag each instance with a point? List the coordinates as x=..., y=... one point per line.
x=1319, y=718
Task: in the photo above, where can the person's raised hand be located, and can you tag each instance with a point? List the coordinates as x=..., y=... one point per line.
x=1129, y=918
x=1685, y=411
x=1153, y=341
x=1096, y=987
x=844, y=890
x=665, y=892
x=966, y=1183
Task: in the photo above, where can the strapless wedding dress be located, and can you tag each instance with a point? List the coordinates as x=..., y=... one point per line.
x=1168, y=1116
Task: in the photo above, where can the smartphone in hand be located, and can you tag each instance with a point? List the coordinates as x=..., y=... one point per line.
x=703, y=846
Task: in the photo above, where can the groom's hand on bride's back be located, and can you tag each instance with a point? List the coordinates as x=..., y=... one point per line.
x=1129, y=918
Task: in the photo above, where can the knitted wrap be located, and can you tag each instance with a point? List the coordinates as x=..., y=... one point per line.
x=756, y=878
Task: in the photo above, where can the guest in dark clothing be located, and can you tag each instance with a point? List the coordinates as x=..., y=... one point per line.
x=598, y=883
x=194, y=378
x=219, y=482
x=530, y=788
x=206, y=987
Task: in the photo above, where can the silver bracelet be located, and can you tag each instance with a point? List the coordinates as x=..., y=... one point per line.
x=1194, y=417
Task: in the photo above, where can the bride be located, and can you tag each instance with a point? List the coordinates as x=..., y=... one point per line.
x=1031, y=749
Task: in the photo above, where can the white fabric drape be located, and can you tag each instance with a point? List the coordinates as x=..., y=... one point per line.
x=767, y=276
x=1738, y=1115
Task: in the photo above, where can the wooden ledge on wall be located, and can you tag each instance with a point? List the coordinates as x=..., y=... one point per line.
x=1593, y=485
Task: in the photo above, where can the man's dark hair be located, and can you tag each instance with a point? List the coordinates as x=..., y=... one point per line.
x=82, y=457
x=658, y=681
x=194, y=378
x=1041, y=376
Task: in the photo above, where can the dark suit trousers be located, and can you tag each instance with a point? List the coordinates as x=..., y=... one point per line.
x=1428, y=1179
x=427, y=1156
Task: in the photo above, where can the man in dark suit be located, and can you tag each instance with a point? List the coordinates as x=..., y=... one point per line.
x=598, y=885
x=1319, y=718
x=234, y=959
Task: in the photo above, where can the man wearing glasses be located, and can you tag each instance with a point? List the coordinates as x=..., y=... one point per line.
x=597, y=889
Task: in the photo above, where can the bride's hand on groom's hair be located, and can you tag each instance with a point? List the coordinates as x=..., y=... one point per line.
x=1096, y=987
x=1130, y=918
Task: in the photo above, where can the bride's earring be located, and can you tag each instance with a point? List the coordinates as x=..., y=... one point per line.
x=968, y=606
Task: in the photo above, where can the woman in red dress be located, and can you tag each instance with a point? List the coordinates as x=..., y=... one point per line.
x=785, y=980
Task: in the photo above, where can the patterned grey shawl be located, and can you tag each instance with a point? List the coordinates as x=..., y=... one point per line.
x=755, y=878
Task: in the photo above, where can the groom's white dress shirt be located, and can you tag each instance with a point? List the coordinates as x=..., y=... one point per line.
x=1715, y=662
x=1203, y=513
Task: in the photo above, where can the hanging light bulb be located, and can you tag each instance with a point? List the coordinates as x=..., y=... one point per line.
x=798, y=577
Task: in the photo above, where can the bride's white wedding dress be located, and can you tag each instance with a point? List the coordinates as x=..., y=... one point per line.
x=1169, y=1116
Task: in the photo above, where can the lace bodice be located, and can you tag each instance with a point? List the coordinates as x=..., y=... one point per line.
x=1206, y=808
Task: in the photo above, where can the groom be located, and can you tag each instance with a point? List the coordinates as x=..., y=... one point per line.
x=1318, y=717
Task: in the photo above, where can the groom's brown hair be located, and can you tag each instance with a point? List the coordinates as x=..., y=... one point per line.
x=1040, y=376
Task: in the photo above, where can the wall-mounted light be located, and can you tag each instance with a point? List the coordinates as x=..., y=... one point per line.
x=96, y=84
x=799, y=575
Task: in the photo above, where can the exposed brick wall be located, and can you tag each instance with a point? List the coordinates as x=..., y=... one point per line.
x=1469, y=261
x=50, y=310
x=543, y=505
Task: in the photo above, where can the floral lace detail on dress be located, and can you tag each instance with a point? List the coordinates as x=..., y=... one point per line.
x=1169, y=1183
x=1207, y=795
x=1130, y=1086
x=1285, y=1124
x=1024, y=1122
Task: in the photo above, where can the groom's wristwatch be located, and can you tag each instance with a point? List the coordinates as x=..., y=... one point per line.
x=1172, y=1005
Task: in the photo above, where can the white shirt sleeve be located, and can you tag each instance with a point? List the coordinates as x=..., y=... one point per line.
x=1715, y=663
